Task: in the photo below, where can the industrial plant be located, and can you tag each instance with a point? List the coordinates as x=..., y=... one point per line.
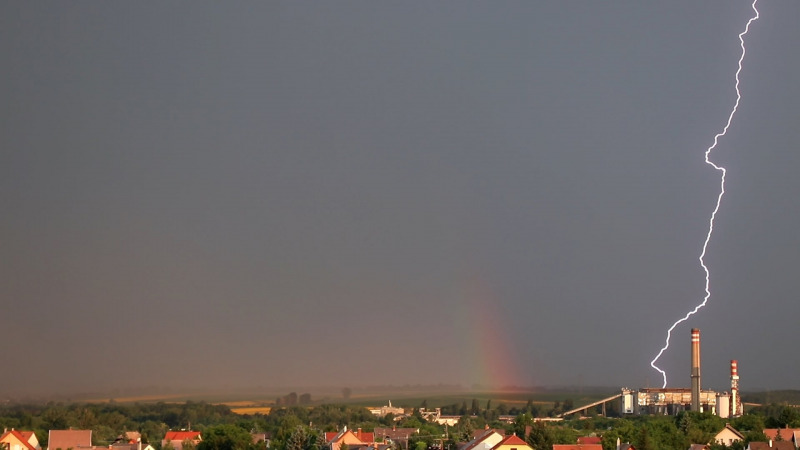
x=664, y=401
x=675, y=400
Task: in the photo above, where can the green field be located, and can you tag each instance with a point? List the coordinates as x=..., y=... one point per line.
x=407, y=397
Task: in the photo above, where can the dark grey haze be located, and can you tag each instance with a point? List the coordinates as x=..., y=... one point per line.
x=352, y=193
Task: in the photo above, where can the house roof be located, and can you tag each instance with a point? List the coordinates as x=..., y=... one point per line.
x=732, y=430
x=330, y=435
x=589, y=440
x=776, y=445
x=577, y=447
x=364, y=436
x=395, y=433
x=27, y=435
x=485, y=434
x=131, y=446
x=259, y=437
x=478, y=433
x=349, y=437
x=511, y=440
x=376, y=447
x=786, y=433
x=65, y=439
x=182, y=436
x=18, y=435
x=698, y=447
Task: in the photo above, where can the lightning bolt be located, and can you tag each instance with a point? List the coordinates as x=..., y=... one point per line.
x=719, y=200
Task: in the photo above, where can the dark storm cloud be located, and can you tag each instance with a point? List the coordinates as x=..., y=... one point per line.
x=283, y=193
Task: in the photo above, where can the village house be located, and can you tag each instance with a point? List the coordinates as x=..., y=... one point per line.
x=577, y=447
x=399, y=436
x=261, y=437
x=66, y=439
x=177, y=439
x=728, y=436
x=782, y=434
x=771, y=445
x=131, y=446
x=130, y=437
x=512, y=442
x=387, y=409
x=20, y=440
x=484, y=439
x=335, y=439
x=699, y=447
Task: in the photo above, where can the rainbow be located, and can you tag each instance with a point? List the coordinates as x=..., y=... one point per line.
x=488, y=350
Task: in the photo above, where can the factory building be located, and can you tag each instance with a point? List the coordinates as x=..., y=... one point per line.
x=671, y=401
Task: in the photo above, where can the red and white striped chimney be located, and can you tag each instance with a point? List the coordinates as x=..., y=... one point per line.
x=736, y=403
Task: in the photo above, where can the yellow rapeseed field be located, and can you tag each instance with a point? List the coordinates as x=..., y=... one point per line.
x=252, y=410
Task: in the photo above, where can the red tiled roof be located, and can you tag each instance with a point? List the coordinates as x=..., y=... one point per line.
x=329, y=435
x=577, y=447
x=589, y=440
x=776, y=445
x=27, y=435
x=19, y=435
x=65, y=439
x=365, y=437
x=182, y=436
x=511, y=440
x=786, y=433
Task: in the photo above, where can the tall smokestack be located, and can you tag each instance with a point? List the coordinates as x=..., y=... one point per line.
x=695, y=369
x=736, y=403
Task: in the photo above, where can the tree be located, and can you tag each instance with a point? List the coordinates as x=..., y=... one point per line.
x=657, y=433
x=502, y=409
x=299, y=439
x=466, y=428
x=521, y=423
x=225, y=437
x=540, y=436
x=789, y=417
x=476, y=408
x=749, y=422
x=153, y=431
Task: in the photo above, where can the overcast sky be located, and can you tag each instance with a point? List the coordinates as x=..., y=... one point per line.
x=363, y=193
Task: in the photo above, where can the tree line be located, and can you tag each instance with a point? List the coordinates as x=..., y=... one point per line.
x=302, y=428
